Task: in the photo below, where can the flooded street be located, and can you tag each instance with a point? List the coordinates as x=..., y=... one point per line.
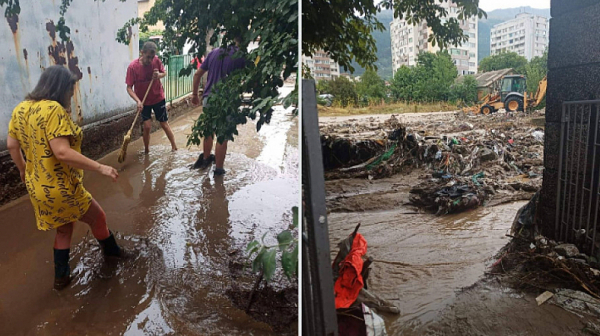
x=420, y=260
x=185, y=226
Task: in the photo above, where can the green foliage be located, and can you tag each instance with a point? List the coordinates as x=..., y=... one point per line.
x=343, y=91
x=535, y=71
x=323, y=86
x=403, y=84
x=464, y=90
x=265, y=257
x=430, y=80
x=371, y=86
x=344, y=28
x=201, y=22
x=503, y=61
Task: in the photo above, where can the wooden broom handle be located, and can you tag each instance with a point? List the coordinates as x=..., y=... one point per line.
x=143, y=100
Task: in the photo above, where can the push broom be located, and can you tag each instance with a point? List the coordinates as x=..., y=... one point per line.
x=128, y=135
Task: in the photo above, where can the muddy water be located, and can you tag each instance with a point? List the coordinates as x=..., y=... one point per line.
x=183, y=225
x=421, y=260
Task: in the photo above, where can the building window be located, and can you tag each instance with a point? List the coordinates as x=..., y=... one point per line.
x=471, y=55
x=471, y=64
x=472, y=45
x=472, y=25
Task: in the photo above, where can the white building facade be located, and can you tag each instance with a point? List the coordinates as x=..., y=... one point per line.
x=322, y=67
x=526, y=35
x=410, y=40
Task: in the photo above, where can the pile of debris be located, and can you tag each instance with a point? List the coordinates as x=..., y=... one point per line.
x=466, y=163
x=534, y=262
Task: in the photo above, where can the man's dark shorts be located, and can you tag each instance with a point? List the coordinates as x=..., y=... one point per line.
x=160, y=112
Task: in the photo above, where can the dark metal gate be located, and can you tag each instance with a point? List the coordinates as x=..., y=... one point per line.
x=578, y=189
x=318, y=305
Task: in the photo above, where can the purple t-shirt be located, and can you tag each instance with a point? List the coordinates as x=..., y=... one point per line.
x=219, y=66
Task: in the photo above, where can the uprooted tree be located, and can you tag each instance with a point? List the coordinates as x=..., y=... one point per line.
x=271, y=24
x=344, y=28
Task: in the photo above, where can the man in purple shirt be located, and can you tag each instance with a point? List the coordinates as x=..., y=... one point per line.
x=218, y=63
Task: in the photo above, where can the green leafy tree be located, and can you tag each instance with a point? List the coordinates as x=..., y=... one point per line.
x=535, y=71
x=435, y=74
x=323, y=86
x=503, y=61
x=403, y=84
x=464, y=90
x=371, y=85
x=343, y=91
x=344, y=28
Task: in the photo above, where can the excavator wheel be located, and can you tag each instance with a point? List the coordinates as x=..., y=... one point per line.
x=487, y=109
x=513, y=104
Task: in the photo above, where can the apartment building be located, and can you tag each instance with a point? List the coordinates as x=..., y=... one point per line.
x=409, y=40
x=526, y=35
x=322, y=66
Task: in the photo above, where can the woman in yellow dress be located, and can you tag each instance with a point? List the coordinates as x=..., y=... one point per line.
x=52, y=167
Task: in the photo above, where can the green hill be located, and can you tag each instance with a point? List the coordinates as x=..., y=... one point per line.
x=384, y=48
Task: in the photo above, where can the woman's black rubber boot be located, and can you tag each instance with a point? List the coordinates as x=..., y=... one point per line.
x=110, y=248
x=62, y=271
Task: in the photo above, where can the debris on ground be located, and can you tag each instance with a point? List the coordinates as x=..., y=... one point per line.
x=356, y=306
x=466, y=160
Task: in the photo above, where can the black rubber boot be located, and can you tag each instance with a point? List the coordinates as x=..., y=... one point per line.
x=203, y=163
x=111, y=249
x=62, y=271
x=219, y=172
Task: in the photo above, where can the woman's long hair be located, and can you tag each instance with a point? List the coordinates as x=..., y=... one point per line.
x=54, y=84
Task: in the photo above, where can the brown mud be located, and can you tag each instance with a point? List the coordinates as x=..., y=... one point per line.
x=436, y=269
x=185, y=226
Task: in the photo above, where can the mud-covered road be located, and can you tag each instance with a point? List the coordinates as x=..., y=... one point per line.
x=434, y=267
x=186, y=227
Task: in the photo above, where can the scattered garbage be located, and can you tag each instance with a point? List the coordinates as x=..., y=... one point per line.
x=545, y=296
x=485, y=155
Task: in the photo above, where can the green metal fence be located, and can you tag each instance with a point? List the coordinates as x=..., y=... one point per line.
x=175, y=86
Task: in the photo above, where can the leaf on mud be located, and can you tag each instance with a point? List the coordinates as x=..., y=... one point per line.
x=295, y=217
x=269, y=263
x=257, y=262
x=252, y=247
x=284, y=239
x=289, y=262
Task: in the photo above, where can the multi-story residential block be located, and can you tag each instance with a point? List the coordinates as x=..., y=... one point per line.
x=409, y=40
x=526, y=35
x=322, y=66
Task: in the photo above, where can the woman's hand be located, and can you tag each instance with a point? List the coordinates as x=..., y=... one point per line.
x=108, y=171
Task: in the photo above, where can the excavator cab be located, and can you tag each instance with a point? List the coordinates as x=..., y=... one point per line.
x=512, y=92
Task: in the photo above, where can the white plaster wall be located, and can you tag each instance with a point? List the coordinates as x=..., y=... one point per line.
x=94, y=24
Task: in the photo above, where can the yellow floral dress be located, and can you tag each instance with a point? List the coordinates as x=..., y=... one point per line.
x=56, y=189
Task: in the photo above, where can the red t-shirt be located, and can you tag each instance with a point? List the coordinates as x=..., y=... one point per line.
x=139, y=76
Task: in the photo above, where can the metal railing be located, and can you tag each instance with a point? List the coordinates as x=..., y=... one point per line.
x=175, y=86
x=578, y=189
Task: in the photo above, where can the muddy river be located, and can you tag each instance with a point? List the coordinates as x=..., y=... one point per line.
x=184, y=226
x=420, y=260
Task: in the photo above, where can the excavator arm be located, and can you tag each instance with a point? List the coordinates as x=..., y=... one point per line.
x=540, y=93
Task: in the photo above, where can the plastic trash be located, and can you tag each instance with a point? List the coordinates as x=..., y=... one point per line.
x=438, y=155
x=538, y=135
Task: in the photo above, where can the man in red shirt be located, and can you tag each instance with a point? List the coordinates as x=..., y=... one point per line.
x=139, y=74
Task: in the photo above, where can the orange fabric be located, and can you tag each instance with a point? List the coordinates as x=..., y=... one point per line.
x=350, y=281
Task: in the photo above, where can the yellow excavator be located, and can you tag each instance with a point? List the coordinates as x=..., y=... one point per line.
x=512, y=97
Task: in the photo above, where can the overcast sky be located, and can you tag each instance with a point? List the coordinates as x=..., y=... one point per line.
x=490, y=5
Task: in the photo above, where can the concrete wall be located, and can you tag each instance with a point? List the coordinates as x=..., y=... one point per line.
x=573, y=73
x=30, y=43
